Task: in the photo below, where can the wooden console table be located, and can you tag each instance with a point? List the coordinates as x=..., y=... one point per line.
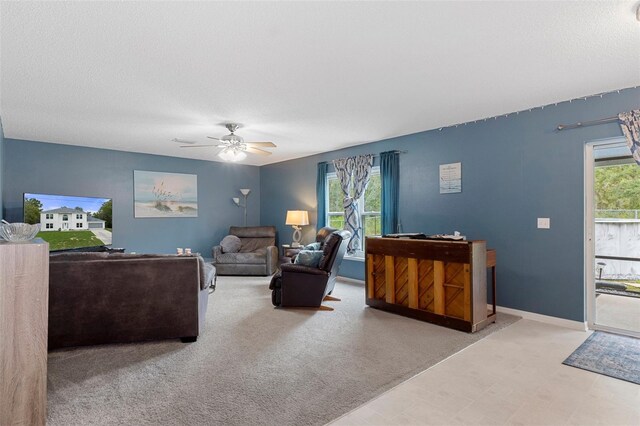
x=24, y=308
x=443, y=282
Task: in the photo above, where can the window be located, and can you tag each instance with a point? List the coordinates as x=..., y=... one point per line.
x=78, y=224
x=369, y=206
x=65, y=217
x=79, y=216
x=49, y=225
x=49, y=216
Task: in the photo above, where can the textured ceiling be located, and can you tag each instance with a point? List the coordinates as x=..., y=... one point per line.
x=311, y=77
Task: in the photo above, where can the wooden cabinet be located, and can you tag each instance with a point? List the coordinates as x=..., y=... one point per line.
x=24, y=307
x=444, y=282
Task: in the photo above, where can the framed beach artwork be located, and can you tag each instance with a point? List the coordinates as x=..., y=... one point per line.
x=159, y=194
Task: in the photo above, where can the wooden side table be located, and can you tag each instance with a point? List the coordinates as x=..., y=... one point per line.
x=289, y=252
x=491, y=263
x=24, y=313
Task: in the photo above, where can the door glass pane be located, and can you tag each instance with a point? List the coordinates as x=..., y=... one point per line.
x=617, y=239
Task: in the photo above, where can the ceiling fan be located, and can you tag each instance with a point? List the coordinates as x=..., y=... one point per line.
x=232, y=147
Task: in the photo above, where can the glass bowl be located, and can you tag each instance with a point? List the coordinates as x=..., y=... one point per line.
x=18, y=231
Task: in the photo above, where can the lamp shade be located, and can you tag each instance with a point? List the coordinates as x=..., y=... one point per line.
x=297, y=217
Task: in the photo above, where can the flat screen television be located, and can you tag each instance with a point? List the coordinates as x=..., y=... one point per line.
x=68, y=222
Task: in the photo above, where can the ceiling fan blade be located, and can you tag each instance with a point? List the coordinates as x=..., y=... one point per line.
x=216, y=139
x=176, y=140
x=257, y=151
x=269, y=144
x=195, y=146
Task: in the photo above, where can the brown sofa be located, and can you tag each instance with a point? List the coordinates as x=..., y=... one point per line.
x=98, y=298
x=258, y=253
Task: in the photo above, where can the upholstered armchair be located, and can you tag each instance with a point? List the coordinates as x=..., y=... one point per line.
x=255, y=253
x=307, y=286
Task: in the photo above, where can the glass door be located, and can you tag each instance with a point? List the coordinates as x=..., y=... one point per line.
x=613, y=238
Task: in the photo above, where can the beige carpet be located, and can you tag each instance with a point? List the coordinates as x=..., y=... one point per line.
x=253, y=365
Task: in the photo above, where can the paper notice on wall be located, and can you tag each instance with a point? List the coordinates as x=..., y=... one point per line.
x=450, y=178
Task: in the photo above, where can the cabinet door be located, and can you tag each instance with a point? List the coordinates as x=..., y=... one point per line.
x=24, y=305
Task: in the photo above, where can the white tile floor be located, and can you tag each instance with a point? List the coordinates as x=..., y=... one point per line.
x=514, y=377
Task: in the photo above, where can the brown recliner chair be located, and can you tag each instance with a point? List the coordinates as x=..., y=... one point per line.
x=306, y=286
x=321, y=236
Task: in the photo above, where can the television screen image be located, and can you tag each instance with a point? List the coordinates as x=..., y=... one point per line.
x=68, y=222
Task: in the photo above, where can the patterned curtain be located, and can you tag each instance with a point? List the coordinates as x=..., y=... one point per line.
x=344, y=170
x=630, y=124
x=361, y=175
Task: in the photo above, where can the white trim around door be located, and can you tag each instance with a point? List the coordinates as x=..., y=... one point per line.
x=589, y=235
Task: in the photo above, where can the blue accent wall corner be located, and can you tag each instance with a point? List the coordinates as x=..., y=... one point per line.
x=47, y=168
x=514, y=169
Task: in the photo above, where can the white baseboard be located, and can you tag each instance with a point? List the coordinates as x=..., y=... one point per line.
x=561, y=322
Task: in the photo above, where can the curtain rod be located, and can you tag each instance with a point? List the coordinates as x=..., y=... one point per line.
x=374, y=155
x=394, y=150
x=586, y=123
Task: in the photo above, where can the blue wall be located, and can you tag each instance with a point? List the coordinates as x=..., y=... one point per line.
x=37, y=167
x=1, y=167
x=514, y=169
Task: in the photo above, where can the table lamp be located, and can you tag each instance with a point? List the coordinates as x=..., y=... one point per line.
x=297, y=219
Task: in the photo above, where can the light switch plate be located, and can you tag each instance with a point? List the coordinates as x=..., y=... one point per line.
x=544, y=223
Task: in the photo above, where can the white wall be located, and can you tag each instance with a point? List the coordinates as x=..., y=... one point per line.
x=618, y=238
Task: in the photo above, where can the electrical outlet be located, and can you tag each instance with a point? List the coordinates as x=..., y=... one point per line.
x=544, y=223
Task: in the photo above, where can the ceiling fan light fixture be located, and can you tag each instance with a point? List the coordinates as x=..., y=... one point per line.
x=232, y=138
x=233, y=147
x=232, y=155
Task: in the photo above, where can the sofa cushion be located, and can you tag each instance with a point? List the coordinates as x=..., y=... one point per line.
x=138, y=255
x=77, y=256
x=230, y=244
x=253, y=231
x=247, y=258
x=309, y=258
x=313, y=246
x=250, y=245
x=209, y=273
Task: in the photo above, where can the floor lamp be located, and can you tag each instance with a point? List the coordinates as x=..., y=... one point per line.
x=245, y=193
